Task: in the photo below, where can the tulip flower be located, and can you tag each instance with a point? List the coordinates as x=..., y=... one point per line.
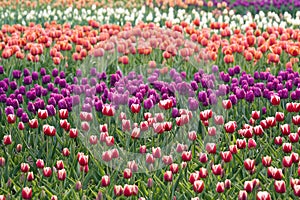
x=198, y=186
x=279, y=186
x=220, y=187
x=242, y=195
x=47, y=171
x=105, y=181
x=186, y=156
x=230, y=127
x=127, y=173
x=118, y=190
x=275, y=100
x=61, y=174
x=263, y=195
x=27, y=193
x=168, y=177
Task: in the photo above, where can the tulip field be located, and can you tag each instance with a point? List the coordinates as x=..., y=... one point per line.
x=149, y=100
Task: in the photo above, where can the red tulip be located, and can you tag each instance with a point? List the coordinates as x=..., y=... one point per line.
x=194, y=177
x=128, y=190
x=241, y=143
x=168, y=176
x=47, y=171
x=63, y=114
x=30, y=176
x=242, y=195
x=49, y=130
x=106, y=156
x=266, y=161
x=136, y=133
x=86, y=116
x=103, y=128
x=143, y=149
x=11, y=118
x=192, y=135
x=186, y=156
x=226, y=156
x=105, y=181
x=217, y=169
x=109, y=140
x=26, y=193
x=167, y=160
x=132, y=165
x=203, y=173
x=248, y=186
x=159, y=117
x=294, y=137
x=165, y=104
x=279, y=186
x=174, y=168
x=156, y=152
x=255, y=115
x=296, y=120
x=150, y=182
x=21, y=126
x=61, y=174
x=65, y=152
x=277, y=173
x=233, y=149
x=278, y=140
x=230, y=127
x=2, y=197
x=33, y=123
x=205, y=115
x=285, y=129
x=279, y=116
x=295, y=157
x=287, y=147
x=40, y=163
x=42, y=114
x=287, y=161
x=108, y=110
x=227, y=184
x=264, y=124
x=168, y=126
x=218, y=120
x=275, y=100
x=271, y=121
x=85, y=126
x=7, y=139
x=118, y=190
x=263, y=195
x=73, y=133
x=212, y=131
x=83, y=159
x=220, y=188
x=59, y=165
x=211, y=148
x=258, y=130
x=297, y=190
x=226, y=104
x=25, y=167
x=147, y=115
x=251, y=143
x=93, y=139
x=203, y=157
x=198, y=186
x=158, y=128
x=127, y=173
x=135, y=108
x=2, y=161
x=249, y=164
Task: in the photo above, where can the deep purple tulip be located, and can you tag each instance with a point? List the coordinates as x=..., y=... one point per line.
x=24, y=117
x=35, y=76
x=16, y=74
x=55, y=72
x=51, y=110
x=43, y=72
